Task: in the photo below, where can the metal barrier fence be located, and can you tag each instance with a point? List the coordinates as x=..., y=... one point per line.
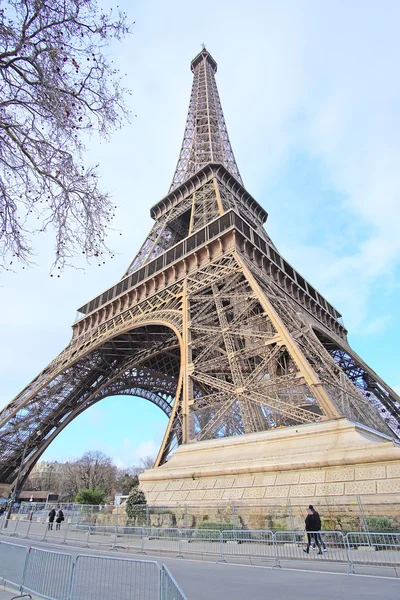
x=58, y=576
x=377, y=549
x=255, y=544
x=12, y=562
x=353, y=549
x=110, y=577
x=201, y=541
x=350, y=513
x=170, y=590
x=47, y=574
x=129, y=538
x=167, y=540
x=325, y=546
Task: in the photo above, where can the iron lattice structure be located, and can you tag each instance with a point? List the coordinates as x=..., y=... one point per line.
x=209, y=322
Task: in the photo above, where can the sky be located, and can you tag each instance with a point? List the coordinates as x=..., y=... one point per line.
x=311, y=96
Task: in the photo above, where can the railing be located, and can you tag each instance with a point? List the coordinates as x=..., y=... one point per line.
x=354, y=549
x=60, y=576
x=170, y=590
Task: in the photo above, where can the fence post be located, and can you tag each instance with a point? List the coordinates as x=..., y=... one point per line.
x=179, y=555
x=87, y=537
x=66, y=533
x=276, y=552
x=46, y=529
x=290, y=510
x=161, y=582
x=221, y=547
x=363, y=519
x=21, y=587
x=351, y=570
x=14, y=533
x=141, y=551
x=115, y=538
x=29, y=528
x=71, y=582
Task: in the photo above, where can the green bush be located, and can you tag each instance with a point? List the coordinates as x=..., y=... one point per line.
x=217, y=526
x=90, y=497
x=136, y=504
x=380, y=524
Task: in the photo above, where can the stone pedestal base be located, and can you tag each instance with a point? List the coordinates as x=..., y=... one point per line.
x=333, y=459
x=5, y=489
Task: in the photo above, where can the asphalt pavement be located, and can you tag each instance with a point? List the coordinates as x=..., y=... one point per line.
x=208, y=580
x=205, y=581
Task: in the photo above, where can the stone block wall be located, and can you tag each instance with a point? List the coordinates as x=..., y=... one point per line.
x=311, y=484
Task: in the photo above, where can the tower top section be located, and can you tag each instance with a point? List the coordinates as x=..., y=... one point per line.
x=206, y=137
x=203, y=55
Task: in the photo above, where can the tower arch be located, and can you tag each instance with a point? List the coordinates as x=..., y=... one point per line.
x=143, y=361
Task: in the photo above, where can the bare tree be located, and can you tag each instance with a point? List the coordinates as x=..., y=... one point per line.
x=96, y=470
x=69, y=481
x=45, y=476
x=147, y=462
x=56, y=83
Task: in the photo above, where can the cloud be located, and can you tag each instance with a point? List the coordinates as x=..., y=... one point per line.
x=96, y=416
x=133, y=453
x=306, y=86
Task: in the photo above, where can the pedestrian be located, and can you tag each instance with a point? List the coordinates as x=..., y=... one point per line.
x=52, y=515
x=317, y=525
x=310, y=529
x=60, y=518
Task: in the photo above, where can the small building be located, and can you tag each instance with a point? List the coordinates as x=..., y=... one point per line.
x=42, y=496
x=120, y=499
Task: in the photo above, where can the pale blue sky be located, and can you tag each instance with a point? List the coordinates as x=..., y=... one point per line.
x=311, y=96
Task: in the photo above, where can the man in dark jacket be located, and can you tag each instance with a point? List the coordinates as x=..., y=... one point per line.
x=310, y=528
x=60, y=518
x=317, y=525
x=52, y=515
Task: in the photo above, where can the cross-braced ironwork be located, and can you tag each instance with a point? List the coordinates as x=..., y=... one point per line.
x=209, y=322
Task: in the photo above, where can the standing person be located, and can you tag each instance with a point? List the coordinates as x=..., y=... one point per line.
x=310, y=528
x=60, y=518
x=52, y=515
x=317, y=525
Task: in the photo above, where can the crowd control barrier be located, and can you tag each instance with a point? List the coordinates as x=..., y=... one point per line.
x=12, y=562
x=111, y=577
x=354, y=549
x=170, y=590
x=60, y=576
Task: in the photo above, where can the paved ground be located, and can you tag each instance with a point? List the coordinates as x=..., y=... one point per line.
x=206, y=580
x=201, y=581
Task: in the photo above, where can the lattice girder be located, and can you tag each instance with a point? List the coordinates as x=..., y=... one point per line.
x=209, y=322
x=206, y=137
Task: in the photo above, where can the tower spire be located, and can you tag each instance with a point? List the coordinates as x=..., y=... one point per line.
x=206, y=137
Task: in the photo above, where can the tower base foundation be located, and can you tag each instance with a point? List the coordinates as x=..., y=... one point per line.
x=334, y=460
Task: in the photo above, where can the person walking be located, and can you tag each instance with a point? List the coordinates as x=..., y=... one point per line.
x=317, y=525
x=310, y=529
x=60, y=518
x=52, y=515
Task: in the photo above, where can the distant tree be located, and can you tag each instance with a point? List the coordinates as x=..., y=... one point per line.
x=90, y=496
x=135, y=502
x=57, y=83
x=69, y=483
x=92, y=470
x=125, y=482
x=147, y=462
x=45, y=476
x=96, y=470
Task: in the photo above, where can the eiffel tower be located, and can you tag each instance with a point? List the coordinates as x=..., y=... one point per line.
x=209, y=322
